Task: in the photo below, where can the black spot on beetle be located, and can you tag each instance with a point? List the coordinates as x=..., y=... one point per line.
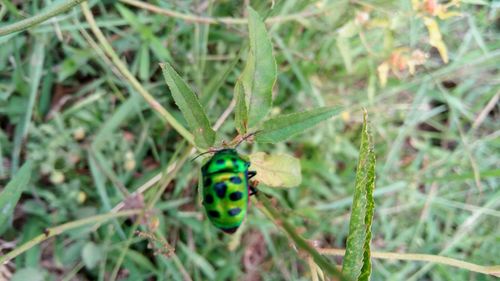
x=233, y=212
x=209, y=199
x=230, y=230
x=235, y=161
x=220, y=161
x=235, y=179
x=208, y=182
x=220, y=189
x=235, y=196
x=214, y=214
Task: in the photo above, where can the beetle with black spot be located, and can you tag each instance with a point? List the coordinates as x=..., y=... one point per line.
x=226, y=189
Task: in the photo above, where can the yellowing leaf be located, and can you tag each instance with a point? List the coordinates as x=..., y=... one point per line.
x=383, y=72
x=435, y=38
x=415, y=5
x=348, y=30
x=276, y=170
x=443, y=14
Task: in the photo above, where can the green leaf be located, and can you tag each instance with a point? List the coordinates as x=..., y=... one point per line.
x=240, y=111
x=188, y=103
x=259, y=75
x=345, y=51
x=199, y=261
x=30, y=273
x=140, y=260
x=36, y=72
x=282, y=127
x=12, y=192
x=276, y=170
x=91, y=255
x=357, y=265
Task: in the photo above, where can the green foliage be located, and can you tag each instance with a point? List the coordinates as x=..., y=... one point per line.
x=258, y=77
x=186, y=99
x=282, y=127
x=12, y=192
x=30, y=273
x=357, y=263
x=91, y=255
x=93, y=142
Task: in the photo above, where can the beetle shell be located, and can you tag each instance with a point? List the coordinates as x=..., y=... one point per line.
x=225, y=189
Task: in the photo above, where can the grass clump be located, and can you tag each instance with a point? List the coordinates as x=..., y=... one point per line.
x=83, y=101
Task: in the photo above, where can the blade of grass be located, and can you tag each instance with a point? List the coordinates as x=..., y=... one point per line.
x=266, y=206
x=226, y=20
x=155, y=105
x=199, y=261
x=491, y=270
x=57, y=230
x=36, y=67
x=124, y=111
x=40, y=17
x=164, y=180
x=12, y=192
x=468, y=225
x=100, y=184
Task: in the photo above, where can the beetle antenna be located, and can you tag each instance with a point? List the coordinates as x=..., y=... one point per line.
x=247, y=137
x=203, y=153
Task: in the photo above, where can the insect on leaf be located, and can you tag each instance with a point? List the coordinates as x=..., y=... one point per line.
x=12, y=192
x=276, y=170
x=259, y=75
x=357, y=265
x=188, y=103
x=282, y=127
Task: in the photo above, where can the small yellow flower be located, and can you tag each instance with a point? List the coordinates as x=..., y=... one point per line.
x=79, y=134
x=82, y=196
x=56, y=177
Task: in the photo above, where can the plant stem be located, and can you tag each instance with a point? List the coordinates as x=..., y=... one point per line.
x=167, y=176
x=41, y=17
x=122, y=68
x=492, y=270
x=54, y=231
x=300, y=242
x=189, y=18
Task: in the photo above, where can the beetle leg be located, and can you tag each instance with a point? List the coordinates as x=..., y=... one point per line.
x=252, y=188
x=251, y=174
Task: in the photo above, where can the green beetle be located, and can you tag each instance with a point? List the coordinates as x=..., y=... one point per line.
x=226, y=189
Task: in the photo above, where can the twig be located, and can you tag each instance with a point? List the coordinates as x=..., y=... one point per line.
x=484, y=113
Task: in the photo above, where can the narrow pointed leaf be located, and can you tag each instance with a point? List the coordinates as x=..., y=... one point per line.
x=259, y=75
x=276, y=170
x=282, y=127
x=189, y=104
x=240, y=111
x=12, y=192
x=356, y=264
